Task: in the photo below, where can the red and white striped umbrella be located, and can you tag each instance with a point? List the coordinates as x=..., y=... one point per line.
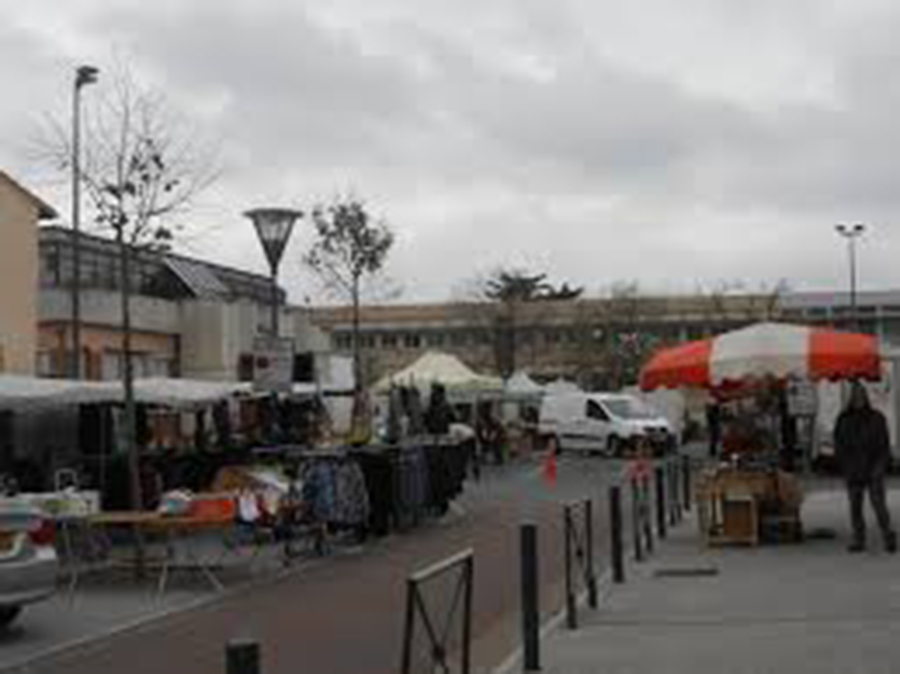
x=764, y=351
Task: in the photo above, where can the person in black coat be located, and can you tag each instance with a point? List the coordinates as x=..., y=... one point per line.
x=863, y=452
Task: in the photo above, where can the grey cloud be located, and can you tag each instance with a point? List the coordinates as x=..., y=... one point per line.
x=588, y=137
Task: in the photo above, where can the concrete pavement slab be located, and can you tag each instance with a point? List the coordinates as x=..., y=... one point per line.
x=810, y=607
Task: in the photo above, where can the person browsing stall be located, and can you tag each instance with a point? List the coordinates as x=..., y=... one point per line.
x=862, y=449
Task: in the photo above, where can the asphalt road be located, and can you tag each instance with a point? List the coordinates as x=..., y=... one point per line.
x=344, y=614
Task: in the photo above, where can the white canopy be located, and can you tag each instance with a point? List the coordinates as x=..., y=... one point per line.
x=20, y=392
x=183, y=392
x=520, y=384
x=560, y=386
x=440, y=368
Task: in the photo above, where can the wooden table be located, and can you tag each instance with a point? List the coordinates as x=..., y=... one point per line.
x=177, y=532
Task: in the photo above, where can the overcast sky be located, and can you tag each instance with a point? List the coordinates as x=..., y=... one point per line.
x=672, y=143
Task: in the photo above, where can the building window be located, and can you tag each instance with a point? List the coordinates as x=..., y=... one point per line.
x=367, y=341
x=389, y=341
x=482, y=337
x=343, y=342
x=412, y=341
x=551, y=336
x=245, y=367
x=45, y=364
x=435, y=339
x=459, y=338
x=50, y=267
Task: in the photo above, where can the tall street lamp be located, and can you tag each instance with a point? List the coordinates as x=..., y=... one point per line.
x=274, y=227
x=851, y=233
x=84, y=75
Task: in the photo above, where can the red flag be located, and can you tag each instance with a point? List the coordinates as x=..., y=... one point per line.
x=550, y=464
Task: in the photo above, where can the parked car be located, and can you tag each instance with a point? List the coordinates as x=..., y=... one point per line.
x=28, y=562
x=606, y=423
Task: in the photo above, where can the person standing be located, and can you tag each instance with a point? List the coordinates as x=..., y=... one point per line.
x=862, y=449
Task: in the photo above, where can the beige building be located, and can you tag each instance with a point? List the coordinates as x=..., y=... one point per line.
x=599, y=342
x=20, y=211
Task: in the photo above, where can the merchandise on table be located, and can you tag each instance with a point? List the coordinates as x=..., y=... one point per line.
x=60, y=504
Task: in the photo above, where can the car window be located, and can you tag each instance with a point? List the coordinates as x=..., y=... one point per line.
x=628, y=408
x=594, y=411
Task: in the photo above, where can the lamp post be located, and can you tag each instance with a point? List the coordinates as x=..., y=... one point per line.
x=851, y=233
x=274, y=227
x=84, y=75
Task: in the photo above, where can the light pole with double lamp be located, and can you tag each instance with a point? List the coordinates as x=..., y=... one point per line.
x=84, y=75
x=274, y=227
x=851, y=233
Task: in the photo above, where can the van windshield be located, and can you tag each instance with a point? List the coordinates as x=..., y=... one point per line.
x=629, y=408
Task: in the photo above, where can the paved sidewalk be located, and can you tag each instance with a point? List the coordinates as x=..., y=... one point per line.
x=811, y=607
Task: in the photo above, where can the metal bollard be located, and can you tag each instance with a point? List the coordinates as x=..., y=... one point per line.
x=646, y=518
x=571, y=608
x=674, y=498
x=593, y=600
x=637, y=523
x=530, y=599
x=616, y=548
x=242, y=657
x=660, y=502
x=686, y=481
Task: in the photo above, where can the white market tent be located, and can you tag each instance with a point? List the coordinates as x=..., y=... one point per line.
x=436, y=367
x=561, y=386
x=520, y=385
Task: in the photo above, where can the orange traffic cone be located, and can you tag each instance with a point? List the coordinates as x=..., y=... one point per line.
x=550, y=463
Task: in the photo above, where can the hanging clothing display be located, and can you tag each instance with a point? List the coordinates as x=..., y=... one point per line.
x=335, y=490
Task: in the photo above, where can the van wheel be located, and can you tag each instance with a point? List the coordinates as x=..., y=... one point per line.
x=8, y=614
x=614, y=446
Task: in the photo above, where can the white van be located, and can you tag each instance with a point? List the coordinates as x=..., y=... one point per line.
x=607, y=423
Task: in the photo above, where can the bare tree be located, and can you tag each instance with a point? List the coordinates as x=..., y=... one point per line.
x=728, y=304
x=142, y=167
x=350, y=251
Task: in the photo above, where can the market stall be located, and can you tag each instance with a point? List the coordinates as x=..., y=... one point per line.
x=751, y=494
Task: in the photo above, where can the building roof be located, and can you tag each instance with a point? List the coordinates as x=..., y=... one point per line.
x=199, y=278
x=820, y=299
x=45, y=212
x=203, y=279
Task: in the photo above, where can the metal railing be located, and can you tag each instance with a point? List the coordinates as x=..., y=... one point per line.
x=578, y=527
x=439, y=634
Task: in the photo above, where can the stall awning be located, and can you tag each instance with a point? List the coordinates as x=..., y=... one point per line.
x=764, y=351
x=20, y=392
x=440, y=368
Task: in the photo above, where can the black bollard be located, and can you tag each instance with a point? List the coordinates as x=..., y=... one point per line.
x=615, y=524
x=637, y=523
x=646, y=517
x=242, y=657
x=530, y=599
x=571, y=608
x=589, y=543
x=660, y=502
x=686, y=481
x=674, y=503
